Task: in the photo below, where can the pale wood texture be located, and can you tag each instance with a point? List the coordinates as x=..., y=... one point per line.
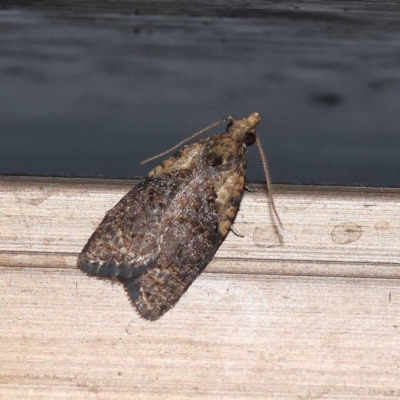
x=310, y=312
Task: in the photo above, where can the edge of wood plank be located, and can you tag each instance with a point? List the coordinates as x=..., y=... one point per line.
x=329, y=231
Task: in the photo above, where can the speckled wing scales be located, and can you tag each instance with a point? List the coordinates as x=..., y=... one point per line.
x=193, y=238
x=166, y=230
x=127, y=241
x=188, y=246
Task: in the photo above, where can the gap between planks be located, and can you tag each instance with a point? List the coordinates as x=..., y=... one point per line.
x=329, y=231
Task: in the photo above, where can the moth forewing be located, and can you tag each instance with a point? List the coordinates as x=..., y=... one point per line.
x=166, y=230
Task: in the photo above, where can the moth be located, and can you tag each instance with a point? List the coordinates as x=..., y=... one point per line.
x=165, y=231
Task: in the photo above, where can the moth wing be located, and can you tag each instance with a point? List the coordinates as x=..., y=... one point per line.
x=188, y=246
x=127, y=242
x=166, y=230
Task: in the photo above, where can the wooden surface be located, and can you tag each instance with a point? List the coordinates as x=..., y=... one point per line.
x=310, y=312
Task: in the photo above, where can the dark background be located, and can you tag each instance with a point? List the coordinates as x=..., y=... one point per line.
x=92, y=88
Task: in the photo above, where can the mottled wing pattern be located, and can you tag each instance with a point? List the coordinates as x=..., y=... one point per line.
x=188, y=246
x=126, y=242
x=166, y=230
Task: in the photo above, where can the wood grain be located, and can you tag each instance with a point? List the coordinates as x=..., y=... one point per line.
x=64, y=335
x=47, y=221
x=310, y=312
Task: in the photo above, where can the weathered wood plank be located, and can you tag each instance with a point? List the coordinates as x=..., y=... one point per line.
x=248, y=327
x=64, y=335
x=46, y=222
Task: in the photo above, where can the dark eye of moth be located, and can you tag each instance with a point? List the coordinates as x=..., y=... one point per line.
x=249, y=139
x=228, y=126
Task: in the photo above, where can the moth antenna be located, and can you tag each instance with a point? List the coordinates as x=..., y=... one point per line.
x=268, y=179
x=189, y=138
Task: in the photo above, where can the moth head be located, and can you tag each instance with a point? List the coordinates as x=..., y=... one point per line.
x=244, y=130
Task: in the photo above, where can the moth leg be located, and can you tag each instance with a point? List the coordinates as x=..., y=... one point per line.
x=248, y=189
x=235, y=232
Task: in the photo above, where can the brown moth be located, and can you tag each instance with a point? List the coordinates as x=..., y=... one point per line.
x=166, y=230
